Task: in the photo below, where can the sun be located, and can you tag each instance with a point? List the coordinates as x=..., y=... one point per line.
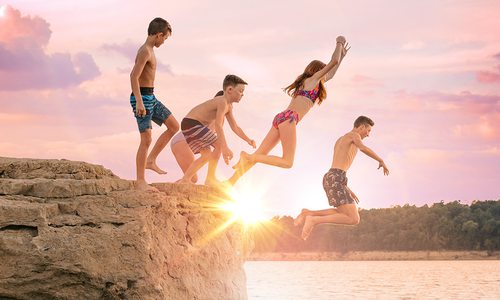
x=2, y=11
x=245, y=205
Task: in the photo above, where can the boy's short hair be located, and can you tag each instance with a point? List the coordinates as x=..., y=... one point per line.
x=232, y=80
x=362, y=120
x=159, y=25
x=219, y=93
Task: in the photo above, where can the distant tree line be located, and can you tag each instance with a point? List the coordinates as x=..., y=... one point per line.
x=450, y=226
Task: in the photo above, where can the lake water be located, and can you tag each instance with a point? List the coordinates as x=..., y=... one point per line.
x=278, y=280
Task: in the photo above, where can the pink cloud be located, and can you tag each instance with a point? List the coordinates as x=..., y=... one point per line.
x=465, y=101
x=24, y=63
x=485, y=127
x=489, y=76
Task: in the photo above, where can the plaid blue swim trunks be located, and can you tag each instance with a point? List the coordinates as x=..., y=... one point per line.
x=155, y=110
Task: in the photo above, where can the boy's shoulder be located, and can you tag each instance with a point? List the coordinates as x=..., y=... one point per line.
x=220, y=101
x=144, y=50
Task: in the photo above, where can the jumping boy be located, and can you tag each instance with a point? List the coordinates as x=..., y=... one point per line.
x=201, y=138
x=335, y=181
x=145, y=105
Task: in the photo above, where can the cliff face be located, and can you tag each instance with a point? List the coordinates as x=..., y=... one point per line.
x=72, y=230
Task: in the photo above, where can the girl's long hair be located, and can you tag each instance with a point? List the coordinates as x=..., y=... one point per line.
x=311, y=68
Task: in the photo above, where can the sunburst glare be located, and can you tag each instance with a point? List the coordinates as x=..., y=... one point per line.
x=245, y=205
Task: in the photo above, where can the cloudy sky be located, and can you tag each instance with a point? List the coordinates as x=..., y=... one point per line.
x=427, y=72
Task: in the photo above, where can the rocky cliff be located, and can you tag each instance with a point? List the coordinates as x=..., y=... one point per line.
x=73, y=230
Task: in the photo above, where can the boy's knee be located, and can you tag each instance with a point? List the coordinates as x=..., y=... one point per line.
x=146, y=139
x=288, y=164
x=355, y=220
x=174, y=127
x=206, y=154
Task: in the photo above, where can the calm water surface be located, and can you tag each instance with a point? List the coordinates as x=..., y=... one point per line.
x=373, y=279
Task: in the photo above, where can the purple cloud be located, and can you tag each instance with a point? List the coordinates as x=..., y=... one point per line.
x=24, y=64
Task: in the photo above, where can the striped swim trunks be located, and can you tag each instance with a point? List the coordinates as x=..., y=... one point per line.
x=198, y=136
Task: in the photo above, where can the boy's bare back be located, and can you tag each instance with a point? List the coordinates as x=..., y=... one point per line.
x=344, y=151
x=206, y=112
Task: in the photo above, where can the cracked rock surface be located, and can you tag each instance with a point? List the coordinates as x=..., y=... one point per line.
x=73, y=230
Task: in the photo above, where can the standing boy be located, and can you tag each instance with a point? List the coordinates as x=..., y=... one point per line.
x=145, y=105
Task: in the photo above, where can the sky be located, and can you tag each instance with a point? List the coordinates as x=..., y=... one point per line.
x=427, y=72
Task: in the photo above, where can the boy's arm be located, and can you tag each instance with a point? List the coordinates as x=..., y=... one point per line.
x=142, y=58
x=227, y=154
x=237, y=129
x=357, y=141
x=334, y=61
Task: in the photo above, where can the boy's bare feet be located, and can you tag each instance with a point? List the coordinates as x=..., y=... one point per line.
x=184, y=181
x=142, y=185
x=244, y=160
x=153, y=166
x=308, y=227
x=212, y=182
x=300, y=218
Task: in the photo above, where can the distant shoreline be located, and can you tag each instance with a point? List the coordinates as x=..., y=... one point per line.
x=375, y=255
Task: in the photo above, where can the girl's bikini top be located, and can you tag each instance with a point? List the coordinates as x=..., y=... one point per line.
x=311, y=95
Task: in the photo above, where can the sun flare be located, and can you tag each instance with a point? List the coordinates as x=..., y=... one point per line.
x=2, y=11
x=245, y=206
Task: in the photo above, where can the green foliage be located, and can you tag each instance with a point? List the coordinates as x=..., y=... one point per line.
x=450, y=226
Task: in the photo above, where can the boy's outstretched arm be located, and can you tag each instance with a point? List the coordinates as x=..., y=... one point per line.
x=140, y=61
x=237, y=129
x=357, y=141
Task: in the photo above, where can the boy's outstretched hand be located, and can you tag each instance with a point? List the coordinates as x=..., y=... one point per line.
x=382, y=165
x=227, y=155
x=252, y=143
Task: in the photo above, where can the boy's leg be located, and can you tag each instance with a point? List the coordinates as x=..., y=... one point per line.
x=172, y=128
x=140, y=159
x=306, y=212
x=184, y=157
x=196, y=165
x=212, y=165
x=346, y=214
x=242, y=166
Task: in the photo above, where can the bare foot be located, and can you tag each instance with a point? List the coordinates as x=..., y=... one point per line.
x=142, y=185
x=152, y=166
x=300, y=218
x=308, y=227
x=244, y=160
x=184, y=181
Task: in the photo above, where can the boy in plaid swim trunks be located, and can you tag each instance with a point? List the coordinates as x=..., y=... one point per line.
x=201, y=138
x=343, y=200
